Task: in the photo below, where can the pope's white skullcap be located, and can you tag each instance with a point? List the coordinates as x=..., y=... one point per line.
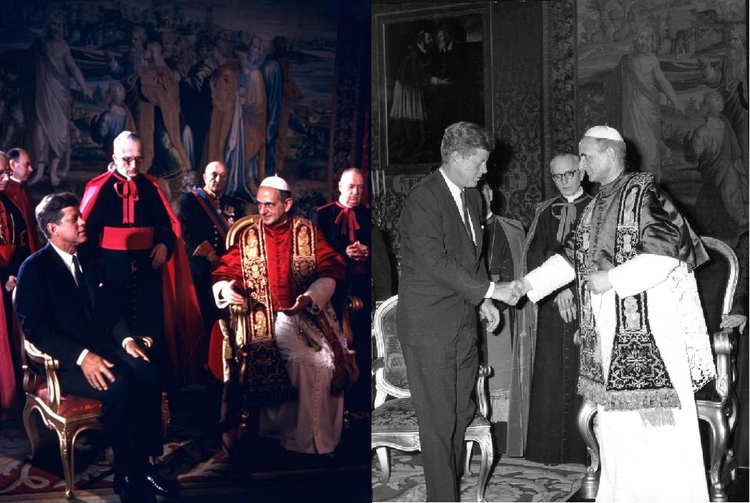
x=604, y=132
x=275, y=182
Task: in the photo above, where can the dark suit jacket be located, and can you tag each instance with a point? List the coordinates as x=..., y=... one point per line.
x=443, y=276
x=53, y=314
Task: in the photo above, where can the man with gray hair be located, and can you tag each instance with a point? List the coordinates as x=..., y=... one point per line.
x=552, y=435
x=138, y=241
x=644, y=345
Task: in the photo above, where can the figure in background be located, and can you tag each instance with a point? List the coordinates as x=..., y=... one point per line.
x=254, y=110
x=632, y=97
x=206, y=214
x=159, y=122
x=509, y=341
x=408, y=110
x=195, y=99
x=553, y=436
x=16, y=190
x=449, y=96
x=273, y=77
x=127, y=68
x=138, y=242
x=291, y=272
x=644, y=348
x=289, y=93
x=53, y=67
x=224, y=138
x=727, y=77
x=443, y=289
x=713, y=146
x=346, y=226
x=106, y=126
x=60, y=309
x=14, y=249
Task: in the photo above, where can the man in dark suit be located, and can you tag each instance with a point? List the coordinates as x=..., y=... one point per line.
x=443, y=280
x=206, y=214
x=58, y=306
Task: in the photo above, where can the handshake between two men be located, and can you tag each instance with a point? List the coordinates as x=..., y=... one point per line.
x=508, y=293
x=596, y=282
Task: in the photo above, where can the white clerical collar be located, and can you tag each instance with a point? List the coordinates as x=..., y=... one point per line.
x=575, y=196
x=15, y=179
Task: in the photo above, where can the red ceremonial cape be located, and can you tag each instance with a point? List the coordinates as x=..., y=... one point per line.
x=183, y=323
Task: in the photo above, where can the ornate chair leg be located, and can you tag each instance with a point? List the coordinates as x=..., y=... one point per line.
x=467, y=464
x=32, y=430
x=67, y=456
x=488, y=455
x=385, y=467
x=590, y=482
x=717, y=441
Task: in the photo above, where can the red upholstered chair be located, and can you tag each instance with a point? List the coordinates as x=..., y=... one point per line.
x=716, y=402
x=394, y=422
x=65, y=414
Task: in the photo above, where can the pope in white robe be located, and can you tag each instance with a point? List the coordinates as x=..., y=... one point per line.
x=645, y=347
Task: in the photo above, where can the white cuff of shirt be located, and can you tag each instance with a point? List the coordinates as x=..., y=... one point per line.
x=83, y=354
x=490, y=290
x=221, y=302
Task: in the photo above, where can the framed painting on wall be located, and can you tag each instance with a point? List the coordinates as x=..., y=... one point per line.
x=434, y=69
x=672, y=79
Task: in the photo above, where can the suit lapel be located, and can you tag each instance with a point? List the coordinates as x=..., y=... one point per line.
x=458, y=221
x=475, y=208
x=65, y=275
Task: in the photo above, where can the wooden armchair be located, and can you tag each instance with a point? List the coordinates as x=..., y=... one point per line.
x=716, y=402
x=394, y=422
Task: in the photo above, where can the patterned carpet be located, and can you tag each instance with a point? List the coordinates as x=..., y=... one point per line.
x=513, y=479
x=260, y=471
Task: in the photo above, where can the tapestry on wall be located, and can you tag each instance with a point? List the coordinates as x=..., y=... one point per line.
x=672, y=78
x=250, y=84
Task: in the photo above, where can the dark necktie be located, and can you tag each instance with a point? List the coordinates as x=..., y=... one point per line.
x=79, y=279
x=467, y=220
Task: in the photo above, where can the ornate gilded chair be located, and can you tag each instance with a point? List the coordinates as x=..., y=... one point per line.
x=237, y=337
x=394, y=422
x=716, y=402
x=66, y=414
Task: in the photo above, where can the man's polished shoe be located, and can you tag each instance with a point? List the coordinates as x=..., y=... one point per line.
x=156, y=484
x=131, y=491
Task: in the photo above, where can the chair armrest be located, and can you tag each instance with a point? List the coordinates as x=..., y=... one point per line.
x=51, y=365
x=723, y=343
x=377, y=364
x=351, y=304
x=482, y=393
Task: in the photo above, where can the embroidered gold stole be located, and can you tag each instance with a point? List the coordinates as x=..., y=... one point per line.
x=637, y=377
